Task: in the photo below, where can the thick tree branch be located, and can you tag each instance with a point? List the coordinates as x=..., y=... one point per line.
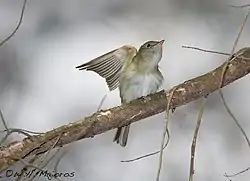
x=105, y=120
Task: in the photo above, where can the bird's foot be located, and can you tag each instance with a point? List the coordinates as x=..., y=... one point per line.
x=145, y=98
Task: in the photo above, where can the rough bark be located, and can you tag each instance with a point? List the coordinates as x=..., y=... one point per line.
x=139, y=109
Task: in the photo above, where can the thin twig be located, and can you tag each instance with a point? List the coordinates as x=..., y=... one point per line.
x=150, y=154
x=241, y=6
x=16, y=130
x=165, y=131
x=223, y=74
x=193, y=146
x=48, y=152
x=234, y=118
x=4, y=122
x=101, y=103
x=21, y=130
x=18, y=25
x=238, y=173
x=6, y=128
x=203, y=50
x=216, y=52
x=1, y=44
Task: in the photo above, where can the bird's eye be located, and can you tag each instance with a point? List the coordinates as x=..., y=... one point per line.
x=148, y=45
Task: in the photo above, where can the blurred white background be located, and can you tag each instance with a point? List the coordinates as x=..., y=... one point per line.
x=40, y=88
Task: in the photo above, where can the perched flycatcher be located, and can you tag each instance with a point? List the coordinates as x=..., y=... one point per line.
x=135, y=73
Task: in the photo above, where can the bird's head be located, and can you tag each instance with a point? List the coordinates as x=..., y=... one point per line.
x=151, y=51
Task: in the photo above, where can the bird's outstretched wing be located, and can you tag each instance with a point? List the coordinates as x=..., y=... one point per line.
x=110, y=64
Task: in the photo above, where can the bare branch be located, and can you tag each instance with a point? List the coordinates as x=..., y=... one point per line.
x=101, y=103
x=235, y=119
x=17, y=27
x=19, y=130
x=241, y=6
x=193, y=146
x=9, y=131
x=119, y=116
x=238, y=173
x=203, y=50
x=165, y=131
x=5, y=126
x=4, y=122
x=150, y=154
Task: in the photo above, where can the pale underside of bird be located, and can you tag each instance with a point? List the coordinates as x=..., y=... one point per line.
x=135, y=72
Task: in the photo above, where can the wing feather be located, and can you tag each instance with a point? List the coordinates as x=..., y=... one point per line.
x=110, y=64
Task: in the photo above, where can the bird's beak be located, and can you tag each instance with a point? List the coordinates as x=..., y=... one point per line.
x=161, y=42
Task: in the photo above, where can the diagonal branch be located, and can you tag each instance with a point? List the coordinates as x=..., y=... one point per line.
x=105, y=120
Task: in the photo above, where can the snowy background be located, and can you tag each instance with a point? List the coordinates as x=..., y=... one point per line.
x=40, y=89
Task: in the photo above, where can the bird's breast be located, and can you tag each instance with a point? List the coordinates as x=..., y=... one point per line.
x=135, y=86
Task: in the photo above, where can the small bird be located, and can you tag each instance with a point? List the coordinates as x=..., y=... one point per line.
x=136, y=73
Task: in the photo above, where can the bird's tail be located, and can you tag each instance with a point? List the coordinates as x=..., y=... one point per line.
x=121, y=136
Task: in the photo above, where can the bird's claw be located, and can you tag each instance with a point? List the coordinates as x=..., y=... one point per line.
x=145, y=98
